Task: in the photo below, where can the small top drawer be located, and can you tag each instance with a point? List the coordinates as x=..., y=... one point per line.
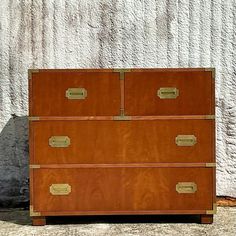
x=74, y=93
x=169, y=92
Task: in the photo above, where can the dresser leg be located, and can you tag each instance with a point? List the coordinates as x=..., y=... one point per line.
x=206, y=219
x=38, y=220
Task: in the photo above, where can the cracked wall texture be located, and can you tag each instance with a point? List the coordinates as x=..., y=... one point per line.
x=105, y=34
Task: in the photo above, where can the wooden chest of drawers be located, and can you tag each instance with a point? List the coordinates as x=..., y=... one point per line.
x=122, y=141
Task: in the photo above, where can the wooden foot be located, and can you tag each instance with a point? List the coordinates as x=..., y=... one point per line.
x=206, y=219
x=38, y=221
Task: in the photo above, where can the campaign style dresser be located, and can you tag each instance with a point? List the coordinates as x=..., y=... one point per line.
x=122, y=141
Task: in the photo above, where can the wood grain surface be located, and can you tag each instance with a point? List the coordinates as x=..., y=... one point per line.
x=48, y=88
x=196, y=93
x=122, y=141
x=160, y=117
x=122, y=167
x=122, y=189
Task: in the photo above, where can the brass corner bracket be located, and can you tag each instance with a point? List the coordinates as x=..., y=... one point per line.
x=210, y=164
x=122, y=72
x=33, y=118
x=31, y=71
x=34, y=166
x=213, y=211
x=210, y=117
x=34, y=213
x=213, y=72
x=122, y=117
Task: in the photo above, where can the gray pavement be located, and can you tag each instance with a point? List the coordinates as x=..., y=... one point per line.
x=17, y=222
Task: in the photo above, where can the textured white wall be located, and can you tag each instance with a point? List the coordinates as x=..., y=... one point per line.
x=92, y=34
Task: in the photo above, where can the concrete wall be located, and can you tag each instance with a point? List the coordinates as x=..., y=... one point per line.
x=92, y=34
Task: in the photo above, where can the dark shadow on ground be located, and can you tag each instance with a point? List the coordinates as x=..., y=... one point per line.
x=21, y=217
x=124, y=219
x=16, y=216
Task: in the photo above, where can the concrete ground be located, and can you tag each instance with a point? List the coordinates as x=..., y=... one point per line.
x=17, y=222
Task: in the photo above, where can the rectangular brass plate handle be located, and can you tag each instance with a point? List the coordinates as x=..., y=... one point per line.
x=185, y=140
x=168, y=93
x=186, y=187
x=60, y=189
x=59, y=141
x=76, y=93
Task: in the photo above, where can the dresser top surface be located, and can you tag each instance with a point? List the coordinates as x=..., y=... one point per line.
x=124, y=70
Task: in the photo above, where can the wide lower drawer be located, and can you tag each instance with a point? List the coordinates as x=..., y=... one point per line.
x=57, y=142
x=121, y=190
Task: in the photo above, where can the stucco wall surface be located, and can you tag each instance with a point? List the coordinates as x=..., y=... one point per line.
x=105, y=34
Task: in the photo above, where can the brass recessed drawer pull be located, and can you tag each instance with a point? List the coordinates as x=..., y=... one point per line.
x=185, y=140
x=76, y=93
x=59, y=141
x=60, y=189
x=186, y=187
x=168, y=93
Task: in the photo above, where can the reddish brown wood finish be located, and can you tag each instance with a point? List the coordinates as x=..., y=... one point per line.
x=38, y=221
x=122, y=141
x=196, y=93
x=122, y=94
x=129, y=165
x=206, y=219
x=122, y=189
x=48, y=88
x=53, y=118
x=122, y=167
x=131, y=212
